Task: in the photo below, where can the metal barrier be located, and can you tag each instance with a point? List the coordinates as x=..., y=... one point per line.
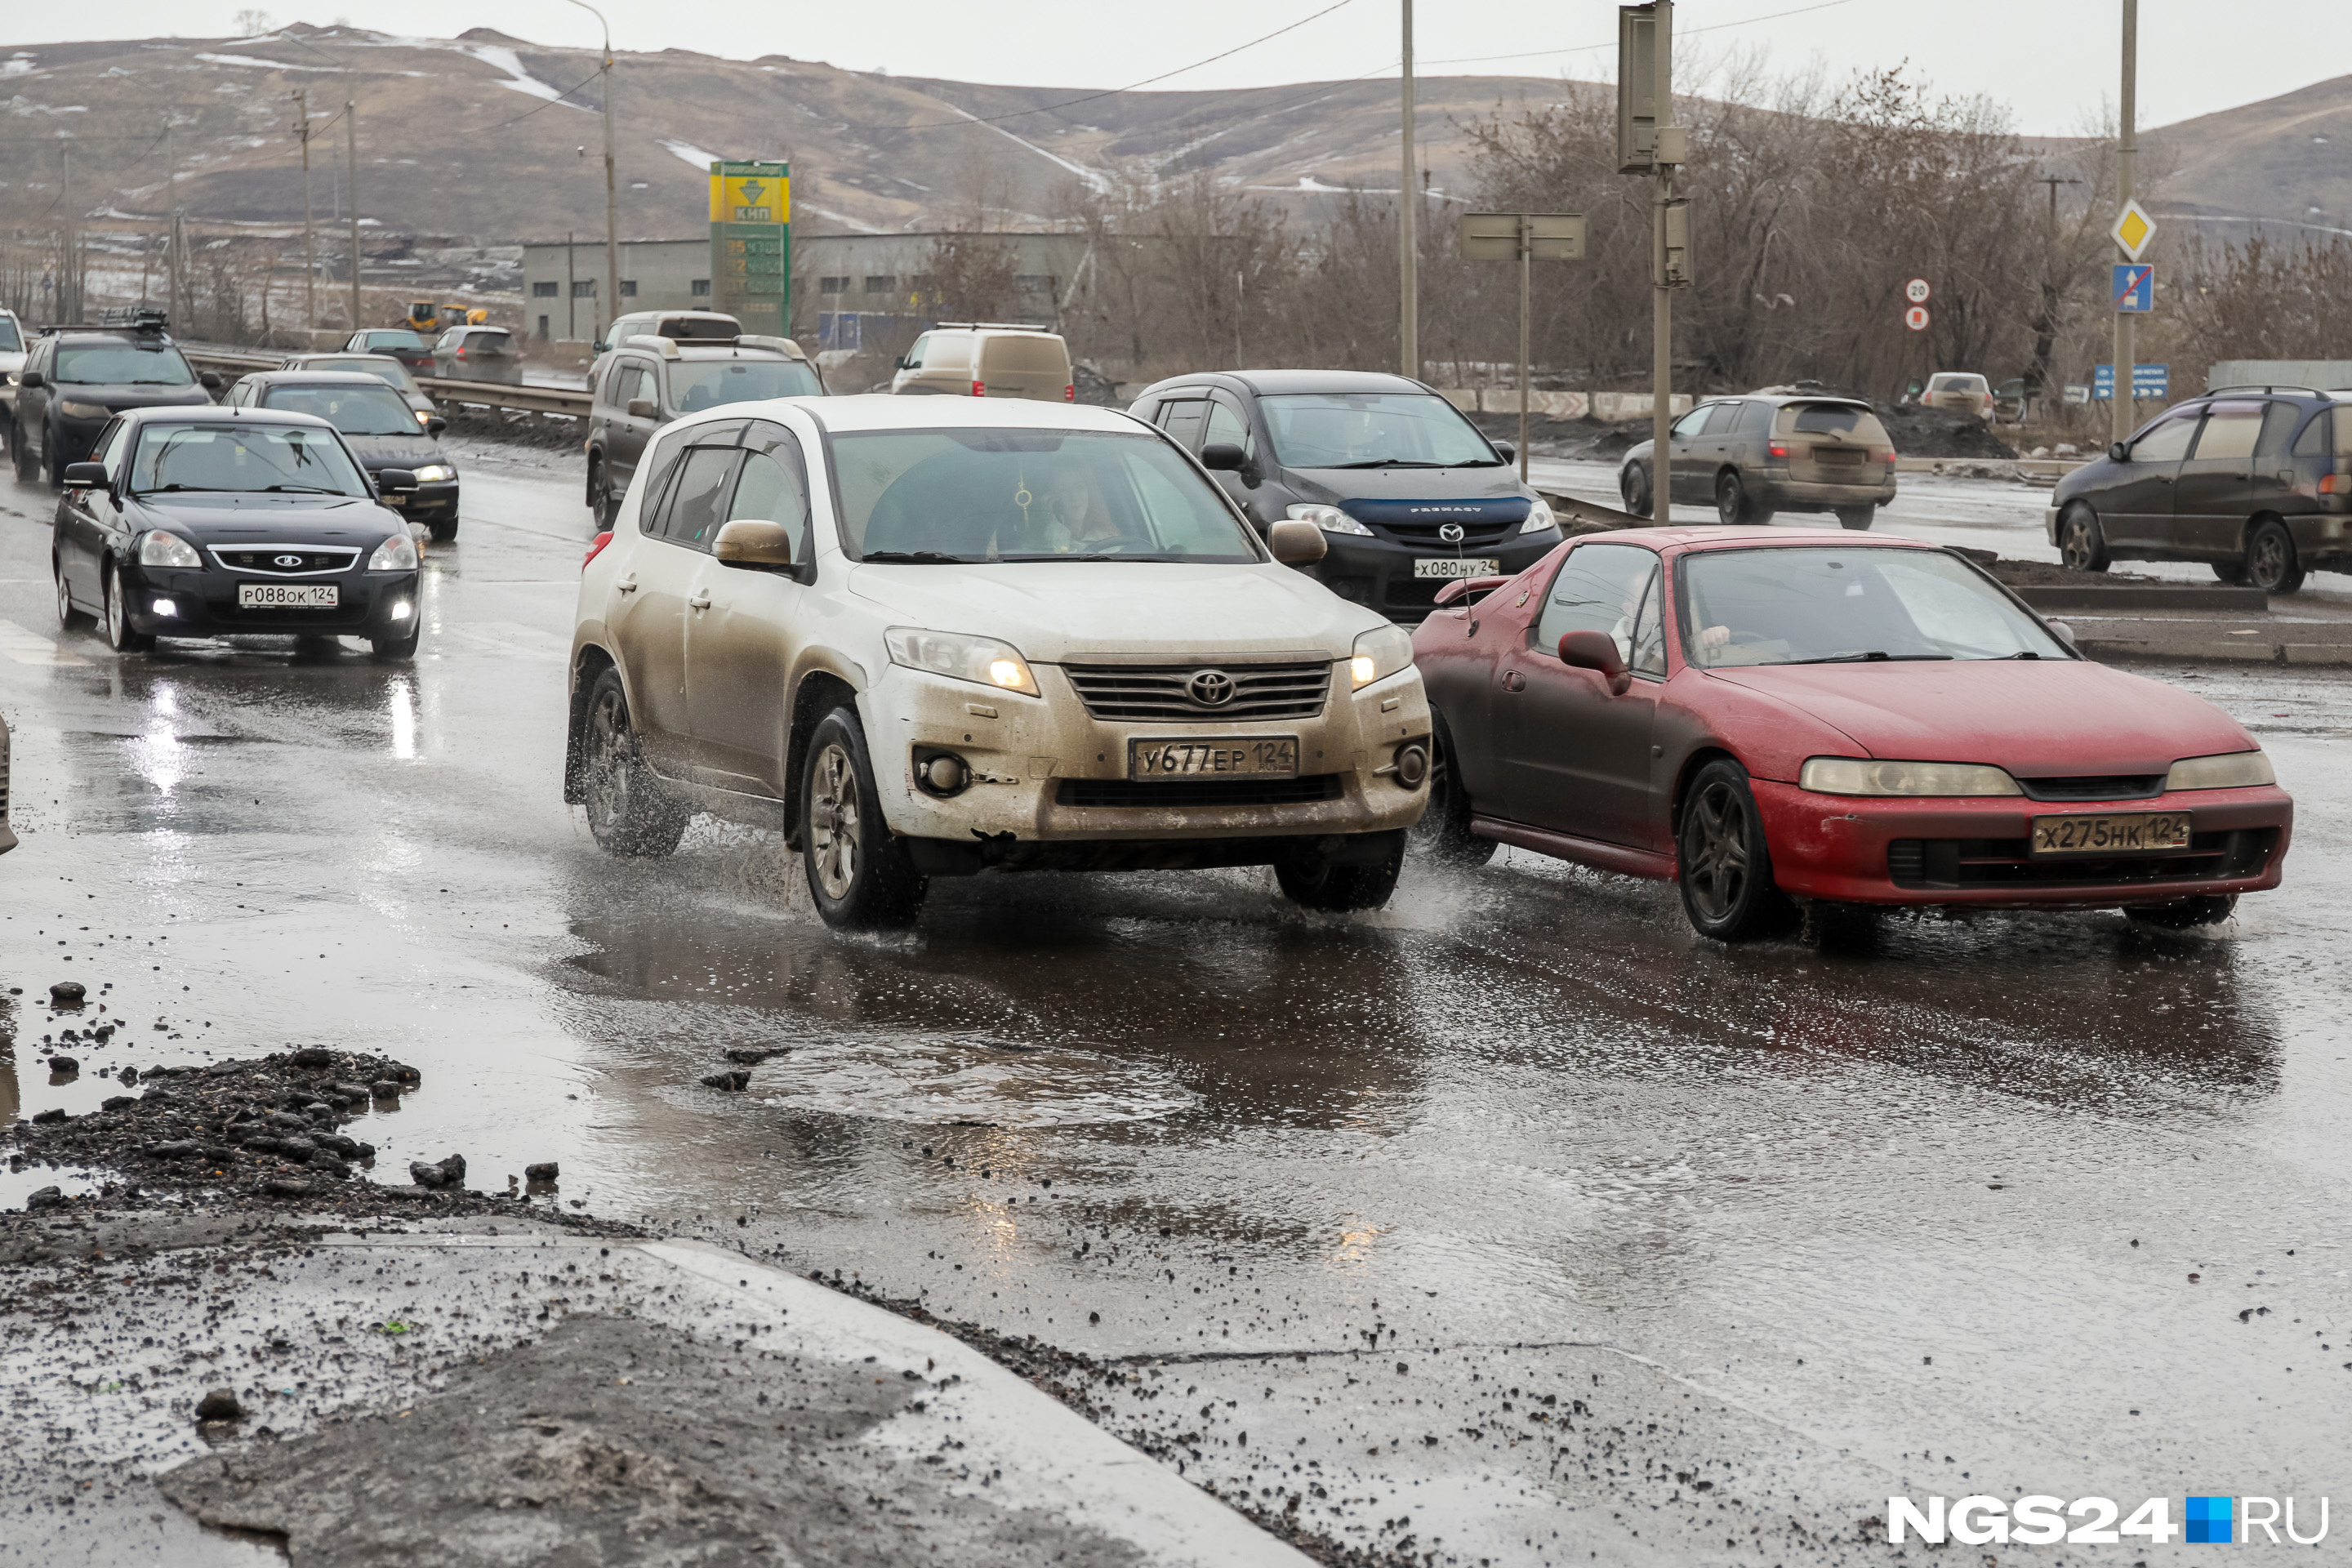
x=563, y=400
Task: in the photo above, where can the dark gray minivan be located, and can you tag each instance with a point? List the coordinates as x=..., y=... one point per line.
x=1409, y=494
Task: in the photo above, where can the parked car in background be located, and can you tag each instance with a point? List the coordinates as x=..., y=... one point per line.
x=77, y=378
x=1810, y=716
x=7, y=833
x=681, y=326
x=650, y=381
x=2255, y=481
x=1409, y=494
x=478, y=354
x=12, y=361
x=409, y=347
x=203, y=522
x=940, y=639
x=384, y=367
x=987, y=359
x=1960, y=392
x=379, y=429
x=1769, y=452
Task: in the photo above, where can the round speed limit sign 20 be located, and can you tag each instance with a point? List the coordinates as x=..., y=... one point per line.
x=1916, y=317
x=1916, y=291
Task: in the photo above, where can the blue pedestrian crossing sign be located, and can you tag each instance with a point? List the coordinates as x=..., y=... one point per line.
x=2135, y=286
x=2149, y=382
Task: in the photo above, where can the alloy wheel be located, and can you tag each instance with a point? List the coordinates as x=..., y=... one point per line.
x=2266, y=560
x=834, y=822
x=1716, y=850
x=65, y=602
x=611, y=758
x=1730, y=503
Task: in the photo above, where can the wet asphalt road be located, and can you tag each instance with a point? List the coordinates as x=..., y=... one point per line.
x=1511, y=1224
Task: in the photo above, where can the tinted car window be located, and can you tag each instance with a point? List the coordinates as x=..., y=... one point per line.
x=1184, y=420
x=11, y=339
x=372, y=410
x=1691, y=424
x=1648, y=656
x=1336, y=430
x=697, y=501
x=2230, y=430
x=1598, y=589
x=138, y=365
x=1723, y=418
x=1754, y=417
x=694, y=387
x=2315, y=439
x=2169, y=440
x=2278, y=424
x=1832, y=420
x=390, y=372
x=1226, y=425
x=244, y=457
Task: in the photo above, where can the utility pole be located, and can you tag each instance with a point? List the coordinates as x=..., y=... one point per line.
x=310, y=228
x=172, y=227
x=1408, y=229
x=1661, y=293
x=571, y=292
x=2120, y=400
x=351, y=153
x=612, y=197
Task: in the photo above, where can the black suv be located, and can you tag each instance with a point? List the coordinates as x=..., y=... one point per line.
x=79, y=377
x=2256, y=481
x=1408, y=493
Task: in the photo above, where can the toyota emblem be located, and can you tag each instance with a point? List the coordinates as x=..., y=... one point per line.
x=1451, y=533
x=1210, y=688
x=296, y=560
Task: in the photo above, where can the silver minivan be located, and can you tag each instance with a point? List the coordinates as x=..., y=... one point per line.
x=987, y=359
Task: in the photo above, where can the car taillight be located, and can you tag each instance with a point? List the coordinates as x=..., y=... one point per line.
x=1778, y=451
x=595, y=547
x=1070, y=392
x=2327, y=484
x=980, y=389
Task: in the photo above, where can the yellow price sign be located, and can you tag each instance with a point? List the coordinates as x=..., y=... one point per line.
x=750, y=198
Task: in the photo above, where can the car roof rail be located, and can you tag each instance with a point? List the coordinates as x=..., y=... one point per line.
x=138, y=318
x=665, y=347
x=2305, y=391
x=993, y=326
x=784, y=346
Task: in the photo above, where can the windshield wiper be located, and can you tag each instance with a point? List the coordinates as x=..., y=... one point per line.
x=1876, y=656
x=920, y=557
x=176, y=485
x=307, y=489
x=1393, y=463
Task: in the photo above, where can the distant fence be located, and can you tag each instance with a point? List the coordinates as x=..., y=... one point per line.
x=1610, y=407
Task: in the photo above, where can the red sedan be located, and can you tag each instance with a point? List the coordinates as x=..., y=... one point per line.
x=1807, y=716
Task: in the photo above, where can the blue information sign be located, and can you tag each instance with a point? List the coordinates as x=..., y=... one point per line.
x=2135, y=286
x=2148, y=380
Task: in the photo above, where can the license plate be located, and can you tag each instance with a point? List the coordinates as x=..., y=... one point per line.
x=1228, y=756
x=1836, y=456
x=2131, y=833
x=1441, y=566
x=288, y=596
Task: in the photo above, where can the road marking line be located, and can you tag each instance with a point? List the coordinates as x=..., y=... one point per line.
x=31, y=647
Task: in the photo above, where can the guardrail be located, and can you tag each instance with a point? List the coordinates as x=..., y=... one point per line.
x=564, y=400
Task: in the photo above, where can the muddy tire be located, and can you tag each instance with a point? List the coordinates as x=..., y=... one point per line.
x=1633, y=485
x=1732, y=506
x=19, y=458
x=70, y=619
x=2082, y=543
x=859, y=874
x=443, y=530
x=2270, y=562
x=1443, y=834
x=400, y=648
x=114, y=622
x=2230, y=571
x=2210, y=910
x=1726, y=867
x=602, y=504
x=628, y=810
x=1858, y=518
x=1312, y=882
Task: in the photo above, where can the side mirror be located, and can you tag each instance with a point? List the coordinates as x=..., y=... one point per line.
x=32, y=378
x=436, y=424
x=1597, y=651
x=210, y=380
x=900, y=363
x=85, y=475
x=641, y=407
x=2118, y=453
x=750, y=541
x=395, y=481
x=1507, y=450
x=1226, y=457
x=1294, y=543
x=2065, y=633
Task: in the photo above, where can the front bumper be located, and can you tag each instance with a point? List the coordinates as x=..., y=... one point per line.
x=1380, y=573
x=203, y=605
x=1047, y=772
x=427, y=501
x=1871, y=850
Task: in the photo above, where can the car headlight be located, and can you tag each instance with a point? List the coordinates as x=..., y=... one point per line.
x=158, y=548
x=422, y=417
x=1330, y=519
x=1540, y=518
x=397, y=553
x=434, y=473
x=1379, y=653
x=981, y=660
x=2232, y=770
x=73, y=410
x=1859, y=776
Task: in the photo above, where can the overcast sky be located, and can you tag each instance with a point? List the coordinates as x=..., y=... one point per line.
x=2053, y=61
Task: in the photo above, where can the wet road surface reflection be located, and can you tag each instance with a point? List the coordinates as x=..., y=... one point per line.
x=1807, y=1217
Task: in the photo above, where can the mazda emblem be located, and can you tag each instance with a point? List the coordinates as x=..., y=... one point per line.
x=1210, y=688
x=1451, y=533
x=296, y=560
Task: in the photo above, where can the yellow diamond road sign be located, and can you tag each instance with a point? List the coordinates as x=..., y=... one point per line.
x=2133, y=228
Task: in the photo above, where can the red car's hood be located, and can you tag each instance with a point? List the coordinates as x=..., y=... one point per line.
x=2038, y=718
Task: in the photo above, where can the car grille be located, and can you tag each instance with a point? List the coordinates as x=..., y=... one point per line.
x=1130, y=692
x=1425, y=535
x=1983, y=863
x=287, y=560
x=1133, y=793
x=2094, y=786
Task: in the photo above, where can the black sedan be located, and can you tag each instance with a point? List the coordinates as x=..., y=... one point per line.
x=376, y=425
x=226, y=521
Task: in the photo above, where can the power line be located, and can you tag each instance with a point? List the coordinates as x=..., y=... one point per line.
x=559, y=97
x=1680, y=32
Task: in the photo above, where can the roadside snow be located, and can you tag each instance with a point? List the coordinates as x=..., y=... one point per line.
x=688, y=152
x=500, y=58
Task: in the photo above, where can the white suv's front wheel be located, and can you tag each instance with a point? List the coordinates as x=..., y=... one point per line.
x=860, y=876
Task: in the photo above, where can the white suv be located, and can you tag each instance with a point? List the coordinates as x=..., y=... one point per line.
x=932, y=638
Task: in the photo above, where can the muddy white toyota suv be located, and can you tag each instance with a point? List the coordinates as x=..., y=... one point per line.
x=931, y=637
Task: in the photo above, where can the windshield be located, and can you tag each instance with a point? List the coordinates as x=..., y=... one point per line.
x=11, y=339
x=1745, y=607
x=354, y=410
x=247, y=458
x=395, y=341
x=694, y=387
x=946, y=495
x=389, y=371
x=1400, y=429
x=116, y=363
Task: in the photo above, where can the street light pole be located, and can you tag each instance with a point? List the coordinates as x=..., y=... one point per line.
x=352, y=152
x=1408, y=228
x=1662, y=356
x=611, y=195
x=309, y=227
x=2120, y=400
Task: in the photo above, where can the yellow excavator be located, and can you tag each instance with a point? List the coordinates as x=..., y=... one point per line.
x=425, y=316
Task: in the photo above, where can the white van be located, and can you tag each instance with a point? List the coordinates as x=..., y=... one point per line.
x=987, y=359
